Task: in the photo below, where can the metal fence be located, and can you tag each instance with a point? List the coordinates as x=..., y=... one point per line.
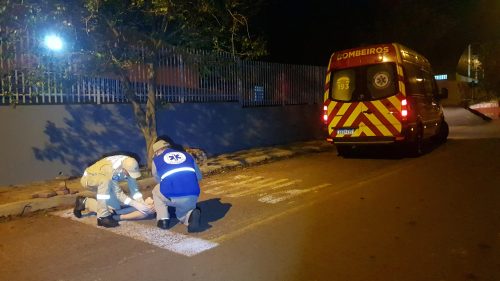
x=182, y=76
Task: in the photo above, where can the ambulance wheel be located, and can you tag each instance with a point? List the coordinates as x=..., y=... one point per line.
x=416, y=146
x=343, y=150
x=442, y=134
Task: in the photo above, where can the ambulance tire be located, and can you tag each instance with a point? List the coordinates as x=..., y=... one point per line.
x=416, y=145
x=343, y=150
x=442, y=134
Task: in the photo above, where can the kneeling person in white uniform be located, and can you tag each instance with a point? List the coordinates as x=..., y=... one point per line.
x=177, y=174
x=112, y=203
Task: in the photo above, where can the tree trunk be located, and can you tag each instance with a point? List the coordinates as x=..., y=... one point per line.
x=151, y=113
x=145, y=116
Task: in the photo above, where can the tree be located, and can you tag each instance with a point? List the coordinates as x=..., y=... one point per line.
x=489, y=57
x=107, y=35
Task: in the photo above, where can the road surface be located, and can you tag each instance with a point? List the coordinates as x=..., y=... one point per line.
x=313, y=217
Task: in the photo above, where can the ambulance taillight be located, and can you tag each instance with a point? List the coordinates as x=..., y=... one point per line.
x=325, y=114
x=404, y=109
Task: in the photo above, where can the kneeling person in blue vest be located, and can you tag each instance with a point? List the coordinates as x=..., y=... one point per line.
x=177, y=175
x=111, y=203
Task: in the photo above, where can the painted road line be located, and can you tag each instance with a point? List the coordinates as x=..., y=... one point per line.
x=257, y=188
x=240, y=177
x=288, y=194
x=221, y=183
x=281, y=196
x=165, y=239
x=285, y=184
x=275, y=182
x=233, y=192
x=234, y=186
x=215, y=182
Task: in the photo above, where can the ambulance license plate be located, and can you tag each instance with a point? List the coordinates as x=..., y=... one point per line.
x=345, y=131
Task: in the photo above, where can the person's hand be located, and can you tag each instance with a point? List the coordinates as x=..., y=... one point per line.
x=112, y=210
x=149, y=201
x=143, y=208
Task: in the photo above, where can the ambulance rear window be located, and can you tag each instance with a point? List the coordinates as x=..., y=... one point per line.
x=364, y=83
x=343, y=84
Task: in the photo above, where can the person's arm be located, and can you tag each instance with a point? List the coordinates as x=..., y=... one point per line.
x=134, y=189
x=125, y=199
x=141, y=207
x=122, y=197
x=154, y=172
x=197, y=170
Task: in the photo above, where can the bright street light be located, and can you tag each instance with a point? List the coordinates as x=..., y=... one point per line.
x=53, y=42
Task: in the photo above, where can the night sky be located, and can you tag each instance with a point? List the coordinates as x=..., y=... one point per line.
x=307, y=32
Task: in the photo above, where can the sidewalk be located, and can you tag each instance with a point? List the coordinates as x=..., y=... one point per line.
x=19, y=200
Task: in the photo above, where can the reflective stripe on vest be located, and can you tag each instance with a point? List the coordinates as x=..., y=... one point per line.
x=173, y=171
x=103, y=196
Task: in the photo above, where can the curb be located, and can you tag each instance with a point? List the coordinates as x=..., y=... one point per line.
x=21, y=208
x=478, y=113
x=258, y=156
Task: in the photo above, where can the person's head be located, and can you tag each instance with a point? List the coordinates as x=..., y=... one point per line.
x=159, y=147
x=131, y=167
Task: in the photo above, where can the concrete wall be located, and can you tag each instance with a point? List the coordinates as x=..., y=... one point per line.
x=39, y=142
x=455, y=98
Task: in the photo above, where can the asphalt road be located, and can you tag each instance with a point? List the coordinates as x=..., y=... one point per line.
x=313, y=217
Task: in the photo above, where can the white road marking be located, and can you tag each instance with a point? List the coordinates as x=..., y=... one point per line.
x=237, y=177
x=238, y=189
x=288, y=194
x=250, y=185
x=281, y=196
x=220, y=184
x=286, y=184
x=232, y=186
x=274, y=182
x=215, y=182
x=257, y=188
x=165, y=239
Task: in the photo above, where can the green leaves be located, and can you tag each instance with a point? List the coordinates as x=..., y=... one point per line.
x=489, y=64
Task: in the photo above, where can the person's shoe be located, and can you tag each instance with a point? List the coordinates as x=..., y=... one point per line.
x=107, y=221
x=163, y=224
x=79, y=206
x=194, y=220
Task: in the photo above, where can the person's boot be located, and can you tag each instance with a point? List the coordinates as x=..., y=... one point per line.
x=194, y=220
x=107, y=221
x=163, y=224
x=79, y=206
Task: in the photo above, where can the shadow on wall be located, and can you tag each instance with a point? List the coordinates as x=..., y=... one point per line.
x=77, y=135
x=89, y=132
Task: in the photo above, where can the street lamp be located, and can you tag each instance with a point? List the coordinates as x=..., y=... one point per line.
x=53, y=42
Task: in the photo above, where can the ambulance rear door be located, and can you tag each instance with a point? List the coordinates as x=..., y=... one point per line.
x=381, y=112
x=367, y=103
x=344, y=107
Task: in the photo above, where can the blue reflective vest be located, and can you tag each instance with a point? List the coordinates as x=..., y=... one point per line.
x=176, y=170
